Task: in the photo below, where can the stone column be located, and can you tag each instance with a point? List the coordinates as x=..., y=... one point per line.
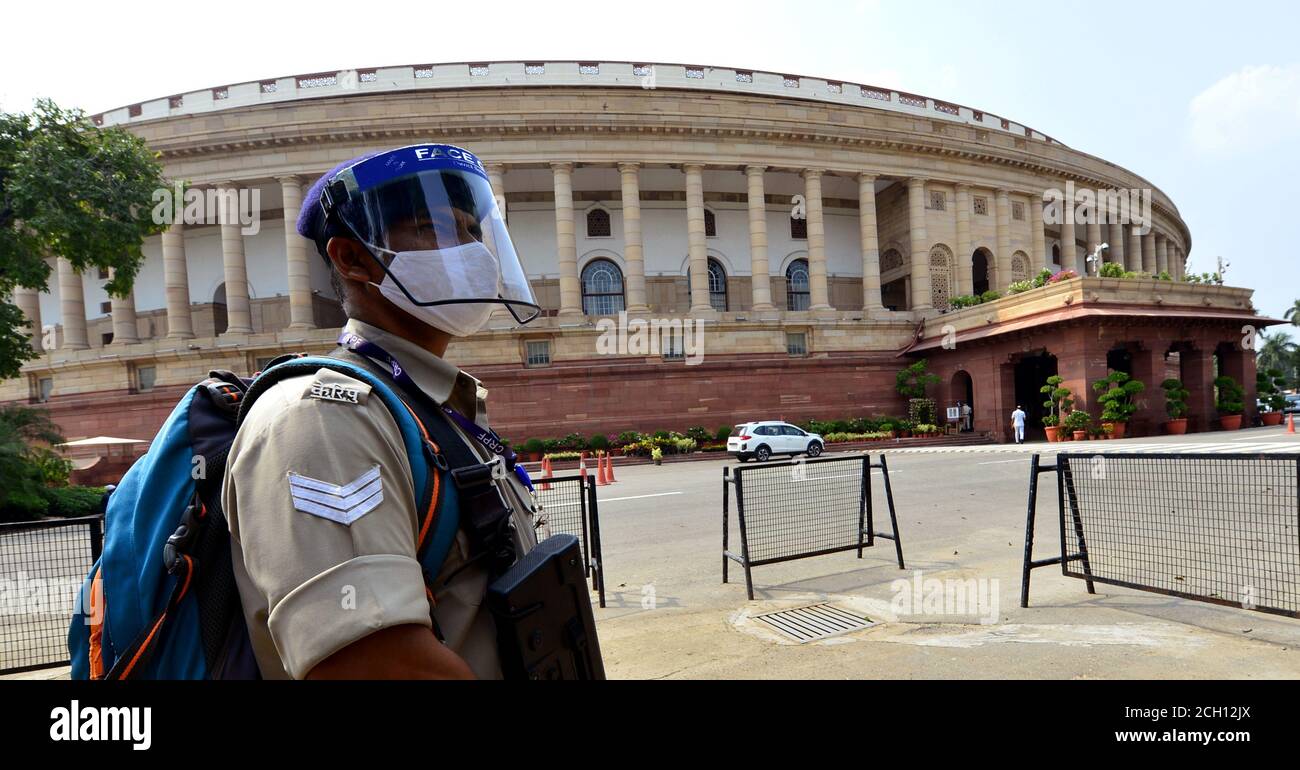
x=176, y=282
x=1162, y=255
x=818, y=291
x=761, y=283
x=697, y=246
x=633, y=250
x=1133, y=255
x=124, y=326
x=566, y=246
x=1069, y=249
x=965, y=280
x=1180, y=265
x=29, y=302
x=301, y=315
x=1116, y=244
x=1149, y=253
x=1038, y=236
x=920, y=244
x=238, y=309
x=1198, y=377
x=1004, y=239
x=870, y=238
x=72, y=307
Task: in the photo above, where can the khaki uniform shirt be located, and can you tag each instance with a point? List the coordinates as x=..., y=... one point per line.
x=323, y=521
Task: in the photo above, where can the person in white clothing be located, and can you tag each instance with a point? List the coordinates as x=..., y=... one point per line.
x=1018, y=424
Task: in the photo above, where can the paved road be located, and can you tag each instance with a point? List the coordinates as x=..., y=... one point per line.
x=962, y=516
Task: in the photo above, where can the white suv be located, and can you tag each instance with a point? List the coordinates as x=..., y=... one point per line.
x=761, y=440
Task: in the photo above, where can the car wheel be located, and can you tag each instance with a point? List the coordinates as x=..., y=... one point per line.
x=814, y=449
x=762, y=454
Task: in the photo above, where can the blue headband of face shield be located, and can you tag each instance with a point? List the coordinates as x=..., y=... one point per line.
x=428, y=215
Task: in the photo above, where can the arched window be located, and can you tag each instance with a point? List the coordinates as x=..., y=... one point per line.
x=798, y=228
x=797, y=295
x=602, y=288
x=717, y=286
x=598, y=223
x=710, y=225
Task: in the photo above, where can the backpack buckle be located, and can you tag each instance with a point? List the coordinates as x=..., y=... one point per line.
x=182, y=540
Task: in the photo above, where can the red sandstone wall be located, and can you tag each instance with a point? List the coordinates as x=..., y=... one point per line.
x=597, y=397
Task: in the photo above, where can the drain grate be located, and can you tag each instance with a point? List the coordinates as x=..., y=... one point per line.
x=816, y=621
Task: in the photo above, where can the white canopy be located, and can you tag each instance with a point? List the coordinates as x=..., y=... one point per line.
x=102, y=441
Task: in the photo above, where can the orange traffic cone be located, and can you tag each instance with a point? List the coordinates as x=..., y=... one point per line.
x=1290, y=423
x=546, y=474
x=609, y=468
x=601, y=478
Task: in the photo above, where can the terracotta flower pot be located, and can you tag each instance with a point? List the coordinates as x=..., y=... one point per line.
x=1271, y=418
x=1230, y=422
x=1176, y=427
x=1115, y=429
x=1081, y=435
x=1053, y=433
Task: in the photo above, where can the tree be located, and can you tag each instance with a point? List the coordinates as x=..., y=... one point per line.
x=68, y=189
x=1279, y=352
x=25, y=434
x=1292, y=313
x=912, y=380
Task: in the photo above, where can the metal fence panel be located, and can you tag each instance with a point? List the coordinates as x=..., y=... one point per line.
x=569, y=506
x=42, y=566
x=800, y=509
x=1218, y=528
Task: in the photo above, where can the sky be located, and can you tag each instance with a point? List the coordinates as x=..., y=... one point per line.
x=1200, y=98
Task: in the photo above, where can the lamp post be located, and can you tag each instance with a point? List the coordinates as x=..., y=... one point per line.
x=1094, y=259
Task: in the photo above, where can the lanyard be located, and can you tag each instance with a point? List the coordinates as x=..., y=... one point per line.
x=485, y=436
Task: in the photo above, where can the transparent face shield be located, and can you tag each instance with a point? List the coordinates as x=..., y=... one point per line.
x=429, y=216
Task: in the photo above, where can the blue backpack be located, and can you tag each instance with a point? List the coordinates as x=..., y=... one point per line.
x=161, y=600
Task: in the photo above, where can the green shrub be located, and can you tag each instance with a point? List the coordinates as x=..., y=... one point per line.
x=1113, y=270
x=1175, y=398
x=661, y=435
x=723, y=433
x=1229, y=397
x=534, y=446
x=628, y=437
x=965, y=300
x=23, y=505
x=1077, y=420
x=912, y=380
x=73, y=502
x=1115, y=393
x=599, y=442
x=1042, y=278
x=700, y=434
x=990, y=296
x=563, y=456
x=1019, y=287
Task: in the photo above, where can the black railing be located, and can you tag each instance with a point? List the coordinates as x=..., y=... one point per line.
x=1217, y=528
x=803, y=508
x=568, y=506
x=42, y=567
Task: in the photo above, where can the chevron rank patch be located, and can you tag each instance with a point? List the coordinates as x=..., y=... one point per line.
x=343, y=504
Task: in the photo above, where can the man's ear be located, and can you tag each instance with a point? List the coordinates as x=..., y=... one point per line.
x=352, y=261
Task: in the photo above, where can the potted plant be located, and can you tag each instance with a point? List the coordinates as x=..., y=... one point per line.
x=1270, y=384
x=1229, y=402
x=1076, y=422
x=1175, y=406
x=1058, y=404
x=533, y=449
x=1051, y=424
x=1115, y=395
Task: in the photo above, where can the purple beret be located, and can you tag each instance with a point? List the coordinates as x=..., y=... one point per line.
x=311, y=218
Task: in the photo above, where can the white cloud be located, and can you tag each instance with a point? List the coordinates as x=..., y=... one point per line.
x=1251, y=109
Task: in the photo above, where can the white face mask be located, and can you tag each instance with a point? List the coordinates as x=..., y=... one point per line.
x=468, y=271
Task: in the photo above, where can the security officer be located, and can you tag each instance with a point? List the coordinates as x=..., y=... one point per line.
x=318, y=488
